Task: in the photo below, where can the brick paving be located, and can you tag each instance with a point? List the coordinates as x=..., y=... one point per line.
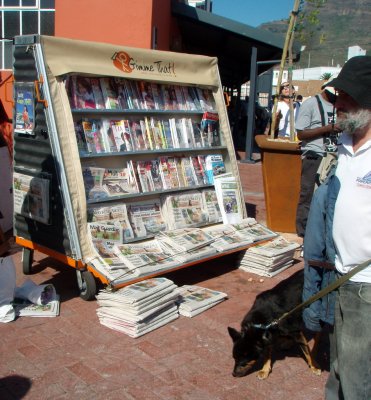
x=74, y=357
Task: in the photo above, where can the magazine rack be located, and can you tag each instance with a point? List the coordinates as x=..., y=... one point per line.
x=47, y=160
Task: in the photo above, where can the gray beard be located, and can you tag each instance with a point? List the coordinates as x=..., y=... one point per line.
x=354, y=122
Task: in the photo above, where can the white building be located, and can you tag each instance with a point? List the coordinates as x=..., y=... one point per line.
x=355, y=51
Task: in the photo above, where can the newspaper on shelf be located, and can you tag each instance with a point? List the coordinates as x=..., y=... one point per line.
x=185, y=239
x=227, y=237
x=111, y=230
x=211, y=204
x=145, y=257
x=184, y=210
x=193, y=299
x=228, y=195
x=146, y=218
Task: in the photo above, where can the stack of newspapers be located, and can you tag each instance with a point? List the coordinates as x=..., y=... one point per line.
x=269, y=258
x=139, y=308
x=194, y=300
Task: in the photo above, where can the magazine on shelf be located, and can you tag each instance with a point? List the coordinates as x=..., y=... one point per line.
x=189, y=96
x=214, y=164
x=94, y=136
x=145, y=176
x=209, y=130
x=184, y=210
x=157, y=96
x=227, y=192
x=24, y=308
x=31, y=197
x=146, y=127
x=80, y=138
x=155, y=174
x=122, y=135
x=97, y=93
x=146, y=218
x=167, y=134
x=199, y=172
x=138, y=136
x=122, y=94
x=110, y=94
x=169, y=97
x=158, y=138
x=169, y=173
x=93, y=182
x=82, y=94
x=195, y=299
x=206, y=99
x=146, y=92
x=108, y=136
x=188, y=172
x=181, y=102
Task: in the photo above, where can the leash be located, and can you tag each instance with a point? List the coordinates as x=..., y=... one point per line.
x=334, y=285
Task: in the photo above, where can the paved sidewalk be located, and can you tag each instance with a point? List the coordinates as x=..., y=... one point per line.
x=74, y=357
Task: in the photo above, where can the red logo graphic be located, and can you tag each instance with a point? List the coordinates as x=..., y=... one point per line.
x=121, y=60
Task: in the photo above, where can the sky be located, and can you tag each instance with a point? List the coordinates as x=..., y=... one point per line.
x=253, y=12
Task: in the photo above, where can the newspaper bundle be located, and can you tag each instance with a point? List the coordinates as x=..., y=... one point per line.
x=194, y=300
x=139, y=308
x=270, y=258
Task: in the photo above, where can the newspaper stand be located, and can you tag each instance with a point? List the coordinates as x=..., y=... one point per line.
x=47, y=167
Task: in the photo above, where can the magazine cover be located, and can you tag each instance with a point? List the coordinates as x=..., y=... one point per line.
x=110, y=95
x=95, y=141
x=209, y=130
x=117, y=181
x=82, y=95
x=97, y=93
x=93, y=182
x=214, y=164
x=24, y=96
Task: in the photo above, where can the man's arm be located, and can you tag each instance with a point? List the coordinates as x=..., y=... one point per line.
x=307, y=134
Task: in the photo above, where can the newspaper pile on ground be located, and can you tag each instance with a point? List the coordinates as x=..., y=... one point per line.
x=194, y=300
x=139, y=308
x=270, y=258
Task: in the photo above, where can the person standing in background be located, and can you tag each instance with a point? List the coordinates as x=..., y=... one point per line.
x=317, y=132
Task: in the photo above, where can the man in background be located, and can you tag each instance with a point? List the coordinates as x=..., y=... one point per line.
x=317, y=131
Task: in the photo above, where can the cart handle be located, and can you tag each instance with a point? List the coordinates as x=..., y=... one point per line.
x=9, y=82
x=38, y=97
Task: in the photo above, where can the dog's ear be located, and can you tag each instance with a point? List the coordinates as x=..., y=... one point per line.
x=267, y=336
x=234, y=334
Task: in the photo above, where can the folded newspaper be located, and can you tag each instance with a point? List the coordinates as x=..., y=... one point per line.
x=194, y=300
x=24, y=308
x=138, y=308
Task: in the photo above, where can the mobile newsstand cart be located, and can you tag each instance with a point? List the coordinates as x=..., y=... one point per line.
x=47, y=162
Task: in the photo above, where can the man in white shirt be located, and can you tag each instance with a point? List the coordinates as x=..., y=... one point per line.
x=350, y=374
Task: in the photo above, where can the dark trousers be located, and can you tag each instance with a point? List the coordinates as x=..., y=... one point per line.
x=309, y=167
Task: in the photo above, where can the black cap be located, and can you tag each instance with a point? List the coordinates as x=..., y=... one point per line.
x=355, y=80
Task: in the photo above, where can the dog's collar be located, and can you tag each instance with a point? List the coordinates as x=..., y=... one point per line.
x=266, y=327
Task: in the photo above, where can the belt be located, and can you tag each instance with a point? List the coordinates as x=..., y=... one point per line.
x=322, y=264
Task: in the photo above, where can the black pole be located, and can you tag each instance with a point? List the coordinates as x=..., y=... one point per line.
x=251, y=108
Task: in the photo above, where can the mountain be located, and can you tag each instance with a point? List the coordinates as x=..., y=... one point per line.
x=343, y=23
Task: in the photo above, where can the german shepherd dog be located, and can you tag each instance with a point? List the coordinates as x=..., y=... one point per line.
x=256, y=341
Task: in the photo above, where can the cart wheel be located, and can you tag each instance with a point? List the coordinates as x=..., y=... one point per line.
x=87, y=285
x=27, y=260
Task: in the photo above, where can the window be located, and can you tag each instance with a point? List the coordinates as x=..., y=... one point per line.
x=23, y=17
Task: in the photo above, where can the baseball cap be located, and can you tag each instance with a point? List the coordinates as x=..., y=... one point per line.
x=355, y=80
